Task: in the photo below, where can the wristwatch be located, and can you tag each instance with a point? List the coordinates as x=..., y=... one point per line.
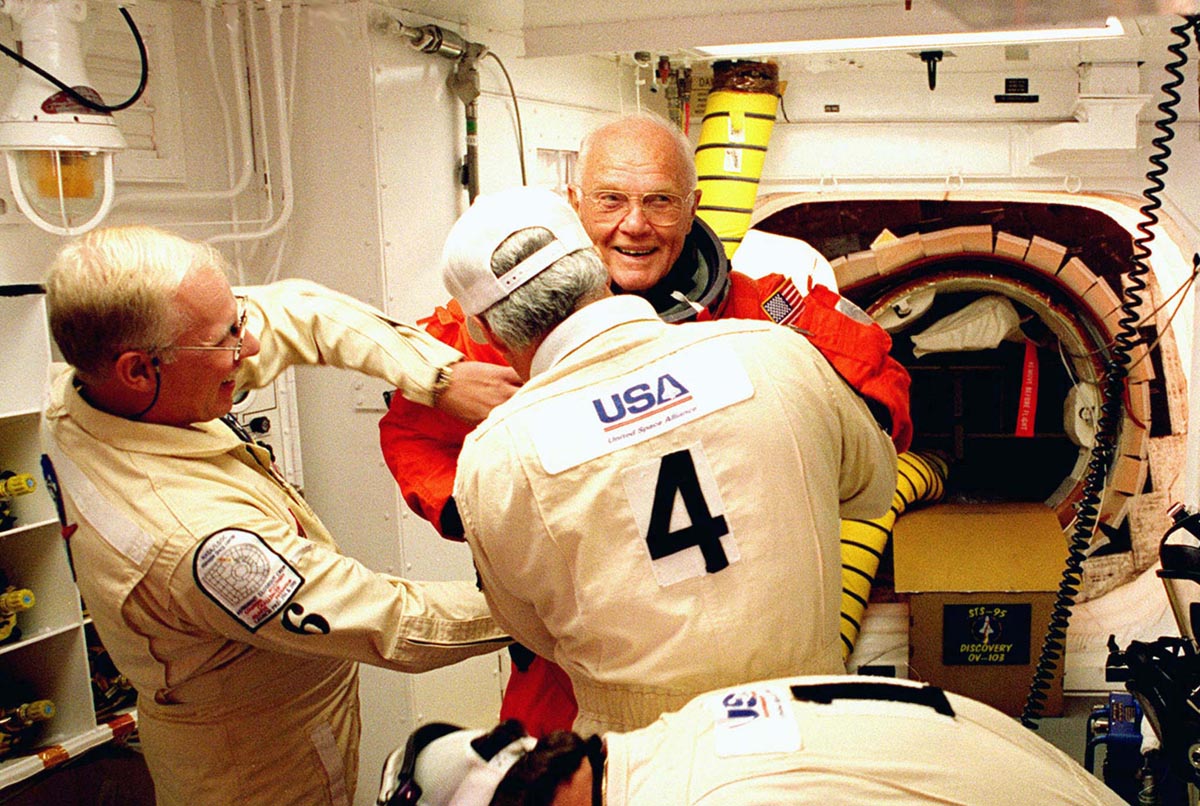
x=442, y=382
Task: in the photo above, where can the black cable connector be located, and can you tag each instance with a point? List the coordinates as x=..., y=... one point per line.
x=931, y=59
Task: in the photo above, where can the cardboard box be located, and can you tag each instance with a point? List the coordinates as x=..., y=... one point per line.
x=981, y=580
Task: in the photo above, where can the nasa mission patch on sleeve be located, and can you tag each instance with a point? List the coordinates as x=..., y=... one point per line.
x=245, y=577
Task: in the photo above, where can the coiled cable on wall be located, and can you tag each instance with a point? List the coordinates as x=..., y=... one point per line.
x=1115, y=372
x=920, y=478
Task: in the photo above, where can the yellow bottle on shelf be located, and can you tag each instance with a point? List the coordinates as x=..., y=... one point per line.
x=14, y=484
x=13, y=601
x=18, y=723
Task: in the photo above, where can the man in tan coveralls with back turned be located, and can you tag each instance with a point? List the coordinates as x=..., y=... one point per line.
x=657, y=508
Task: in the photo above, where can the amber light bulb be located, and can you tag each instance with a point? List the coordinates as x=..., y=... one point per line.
x=78, y=170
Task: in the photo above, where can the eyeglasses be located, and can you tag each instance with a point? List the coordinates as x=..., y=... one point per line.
x=663, y=209
x=240, y=332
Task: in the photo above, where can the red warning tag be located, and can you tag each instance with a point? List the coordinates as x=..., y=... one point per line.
x=1027, y=411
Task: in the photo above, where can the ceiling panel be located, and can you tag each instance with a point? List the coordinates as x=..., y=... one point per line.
x=556, y=28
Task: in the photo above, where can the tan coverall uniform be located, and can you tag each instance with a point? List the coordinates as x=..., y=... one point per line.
x=222, y=597
x=842, y=740
x=658, y=509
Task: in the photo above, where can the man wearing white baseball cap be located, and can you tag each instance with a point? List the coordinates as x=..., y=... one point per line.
x=636, y=195
x=657, y=509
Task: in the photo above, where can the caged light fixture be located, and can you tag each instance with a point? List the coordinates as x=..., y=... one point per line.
x=57, y=135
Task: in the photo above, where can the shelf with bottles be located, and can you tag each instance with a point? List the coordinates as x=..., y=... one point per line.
x=72, y=729
x=47, y=671
x=24, y=498
x=56, y=659
x=34, y=560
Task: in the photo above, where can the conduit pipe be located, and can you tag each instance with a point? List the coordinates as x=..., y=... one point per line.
x=264, y=148
x=238, y=69
x=738, y=119
x=245, y=125
x=274, y=9
x=920, y=478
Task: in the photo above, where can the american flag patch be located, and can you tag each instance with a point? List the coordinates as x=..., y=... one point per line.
x=783, y=304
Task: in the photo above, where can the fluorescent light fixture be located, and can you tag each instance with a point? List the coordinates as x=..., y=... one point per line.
x=59, y=152
x=1112, y=28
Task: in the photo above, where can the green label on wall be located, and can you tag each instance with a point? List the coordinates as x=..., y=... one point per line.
x=985, y=634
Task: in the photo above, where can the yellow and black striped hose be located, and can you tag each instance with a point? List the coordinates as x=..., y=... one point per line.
x=920, y=477
x=738, y=118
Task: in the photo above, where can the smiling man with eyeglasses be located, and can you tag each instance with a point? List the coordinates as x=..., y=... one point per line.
x=637, y=199
x=203, y=401
x=214, y=586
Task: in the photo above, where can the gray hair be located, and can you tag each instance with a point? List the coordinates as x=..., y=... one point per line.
x=114, y=289
x=643, y=120
x=532, y=310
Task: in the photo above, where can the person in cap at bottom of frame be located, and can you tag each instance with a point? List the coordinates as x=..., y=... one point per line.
x=800, y=740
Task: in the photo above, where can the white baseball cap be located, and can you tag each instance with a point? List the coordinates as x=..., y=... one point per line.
x=467, y=254
x=450, y=771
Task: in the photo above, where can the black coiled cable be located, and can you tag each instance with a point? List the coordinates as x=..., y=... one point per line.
x=1113, y=386
x=91, y=103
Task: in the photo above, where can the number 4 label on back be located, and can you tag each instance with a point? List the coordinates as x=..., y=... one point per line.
x=679, y=511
